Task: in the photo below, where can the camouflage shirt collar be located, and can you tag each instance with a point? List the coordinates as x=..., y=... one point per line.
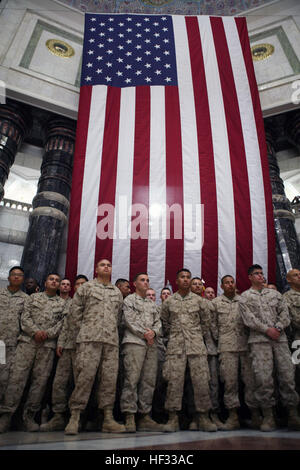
x=186, y=297
x=226, y=299
x=103, y=286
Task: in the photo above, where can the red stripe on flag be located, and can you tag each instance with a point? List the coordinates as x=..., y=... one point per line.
x=244, y=40
x=140, y=181
x=108, y=175
x=77, y=181
x=206, y=156
x=241, y=192
x=174, y=182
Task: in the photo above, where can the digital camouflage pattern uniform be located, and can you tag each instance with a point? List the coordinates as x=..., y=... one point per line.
x=260, y=311
x=11, y=308
x=140, y=359
x=185, y=320
x=45, y=313
x=95, y=313
x=159, y=395
x=65, y=371
x=213, y=362
x=292, y=298
x=232, y=336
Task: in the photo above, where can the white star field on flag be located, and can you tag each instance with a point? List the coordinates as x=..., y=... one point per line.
x=129, y=50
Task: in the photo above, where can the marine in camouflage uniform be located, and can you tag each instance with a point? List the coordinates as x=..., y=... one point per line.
x=96, y=309
x=65, y=373
x=197, y=287
x=160, y=390
x=265, y=312
x=41, y=323
x=292, y=298
x=186, y=318
x=11, y=307
x=142, y=327
x=232, y=336
x=213, y=364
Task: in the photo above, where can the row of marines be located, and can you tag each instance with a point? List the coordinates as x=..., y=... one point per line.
x=229, y=333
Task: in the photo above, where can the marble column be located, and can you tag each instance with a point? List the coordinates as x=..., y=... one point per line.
x=51, y=203
x=287, y=244
x=15, y=122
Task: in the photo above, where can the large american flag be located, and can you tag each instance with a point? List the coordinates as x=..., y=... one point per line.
x=169, y=117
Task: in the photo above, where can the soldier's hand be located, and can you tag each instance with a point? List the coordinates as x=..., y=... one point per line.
x=38, y=337
x=273, y=333
x=59, y=351
x=149, y=334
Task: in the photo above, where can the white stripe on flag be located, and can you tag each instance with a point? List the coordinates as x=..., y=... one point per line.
x=157, y=190
x=91, y=181
x=253, y=158
x=225, y=200
x=121, y=243
x=190, y=159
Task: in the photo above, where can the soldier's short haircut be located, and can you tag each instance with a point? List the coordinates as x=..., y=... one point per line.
x=102, y=259
x=137, y=275
x=226, y=275
x=120, y=281
x=253, y=267
x=183, y=270
x=165, y=288
x=65, y=279
x=52, y=274
x=15, y=267
x=81, y=276
x=198, y=278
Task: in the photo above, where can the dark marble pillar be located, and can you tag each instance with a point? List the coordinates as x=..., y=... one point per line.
x=287, y=244
x=51, y=203
x=15, y=122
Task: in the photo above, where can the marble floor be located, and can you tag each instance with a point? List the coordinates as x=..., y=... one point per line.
x=183, y=440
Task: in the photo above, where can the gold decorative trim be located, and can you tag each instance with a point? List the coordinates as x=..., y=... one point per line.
x=261, y=51
x=156, y=3
x=60, y=48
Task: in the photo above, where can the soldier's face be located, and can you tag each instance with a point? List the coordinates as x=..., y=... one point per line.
x=65, y=286
x=124, y=288
x=209, y=293
x=79, y=283
x=197, y=286
x=31, y=286
x=150, y=294
x=16, y=278
x=52, y=283
x=257, y=278
x=183, y=280
x=104, y=268
x=142, y=283
x=294, y=278
x=228, y=286
x=165, y=294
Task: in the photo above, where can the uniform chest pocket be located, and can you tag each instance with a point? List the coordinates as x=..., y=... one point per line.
x=37, y=305
x=252, y=306
x=272, y=303
x=295, y=301
x=222, y=312
x=114, y=298
x=96, y=297
x=18, y=305
x=57, y=312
